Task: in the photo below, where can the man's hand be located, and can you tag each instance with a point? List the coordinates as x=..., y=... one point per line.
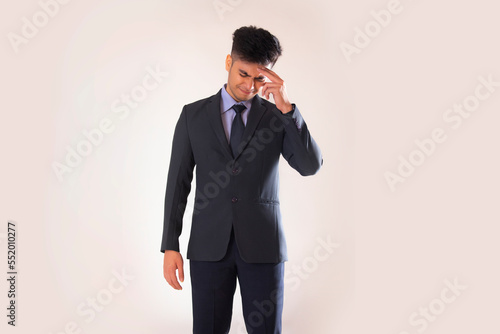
x=276, y=87
x=172, y=261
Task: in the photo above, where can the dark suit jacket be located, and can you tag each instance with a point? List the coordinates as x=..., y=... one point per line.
x=240, y=192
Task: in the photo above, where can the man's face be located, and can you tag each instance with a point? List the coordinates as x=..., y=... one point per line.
x=244, y=80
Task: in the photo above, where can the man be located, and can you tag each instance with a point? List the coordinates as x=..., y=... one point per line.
x=235, y=139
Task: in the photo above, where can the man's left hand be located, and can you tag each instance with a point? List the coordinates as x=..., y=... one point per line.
x=276, y=87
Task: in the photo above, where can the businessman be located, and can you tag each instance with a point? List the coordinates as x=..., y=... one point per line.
x=235, y=139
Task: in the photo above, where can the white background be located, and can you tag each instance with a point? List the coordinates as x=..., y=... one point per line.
x=395, y=249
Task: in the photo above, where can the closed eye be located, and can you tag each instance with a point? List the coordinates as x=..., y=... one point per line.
x=244, y=74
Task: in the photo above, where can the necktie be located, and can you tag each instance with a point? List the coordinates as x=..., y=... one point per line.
x=237, y=129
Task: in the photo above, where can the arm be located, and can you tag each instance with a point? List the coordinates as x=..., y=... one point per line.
x=299, y=148
x=179, y=179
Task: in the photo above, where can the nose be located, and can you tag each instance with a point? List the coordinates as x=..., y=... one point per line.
x=249, y=84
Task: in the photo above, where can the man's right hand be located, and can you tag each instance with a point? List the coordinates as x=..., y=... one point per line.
x=172, y=261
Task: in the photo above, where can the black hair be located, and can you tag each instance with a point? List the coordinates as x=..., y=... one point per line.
x=255, y=45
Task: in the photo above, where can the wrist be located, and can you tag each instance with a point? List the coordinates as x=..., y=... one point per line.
x=290, y=107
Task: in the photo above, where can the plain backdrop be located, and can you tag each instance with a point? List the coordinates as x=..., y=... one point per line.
x=373, y=80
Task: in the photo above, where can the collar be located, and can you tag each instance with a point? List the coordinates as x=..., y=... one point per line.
x=227, y=101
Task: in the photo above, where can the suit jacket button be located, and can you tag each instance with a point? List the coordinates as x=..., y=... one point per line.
x=235, y=171
x=234, y=200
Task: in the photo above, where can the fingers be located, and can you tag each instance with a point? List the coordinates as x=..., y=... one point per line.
x=270, y=74
x=172, y=280
x=181, y=272
x=271, y=88
x=173, y=262
x=279, y=94
x=277, y=88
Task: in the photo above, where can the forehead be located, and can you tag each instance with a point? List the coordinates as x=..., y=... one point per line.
x=248, y=67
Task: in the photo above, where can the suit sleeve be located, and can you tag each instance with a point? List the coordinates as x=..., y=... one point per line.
x=299, y=147
x=180, y=175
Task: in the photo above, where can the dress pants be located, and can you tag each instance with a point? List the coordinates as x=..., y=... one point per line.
x=213, y=286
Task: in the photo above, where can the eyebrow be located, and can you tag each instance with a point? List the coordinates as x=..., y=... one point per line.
x=245, y=73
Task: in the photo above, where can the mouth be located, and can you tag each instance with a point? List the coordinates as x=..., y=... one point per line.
x=246, y=92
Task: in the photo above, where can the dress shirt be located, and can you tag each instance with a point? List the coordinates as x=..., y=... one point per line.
x=227, y=113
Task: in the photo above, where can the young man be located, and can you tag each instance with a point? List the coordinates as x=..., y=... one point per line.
x=235, y=139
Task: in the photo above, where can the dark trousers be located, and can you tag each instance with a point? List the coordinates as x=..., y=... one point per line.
x=213, y=286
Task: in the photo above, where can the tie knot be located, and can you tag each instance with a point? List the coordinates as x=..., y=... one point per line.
x=238, y=108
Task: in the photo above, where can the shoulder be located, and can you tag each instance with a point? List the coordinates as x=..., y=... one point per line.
x=202, y=103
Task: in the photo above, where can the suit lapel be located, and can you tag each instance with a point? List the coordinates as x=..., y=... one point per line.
x=215, y=121
x=256, y=112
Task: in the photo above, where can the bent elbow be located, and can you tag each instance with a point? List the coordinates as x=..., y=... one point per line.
x=313, y=168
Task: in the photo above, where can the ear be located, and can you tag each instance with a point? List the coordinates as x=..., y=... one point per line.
x=229, y=62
